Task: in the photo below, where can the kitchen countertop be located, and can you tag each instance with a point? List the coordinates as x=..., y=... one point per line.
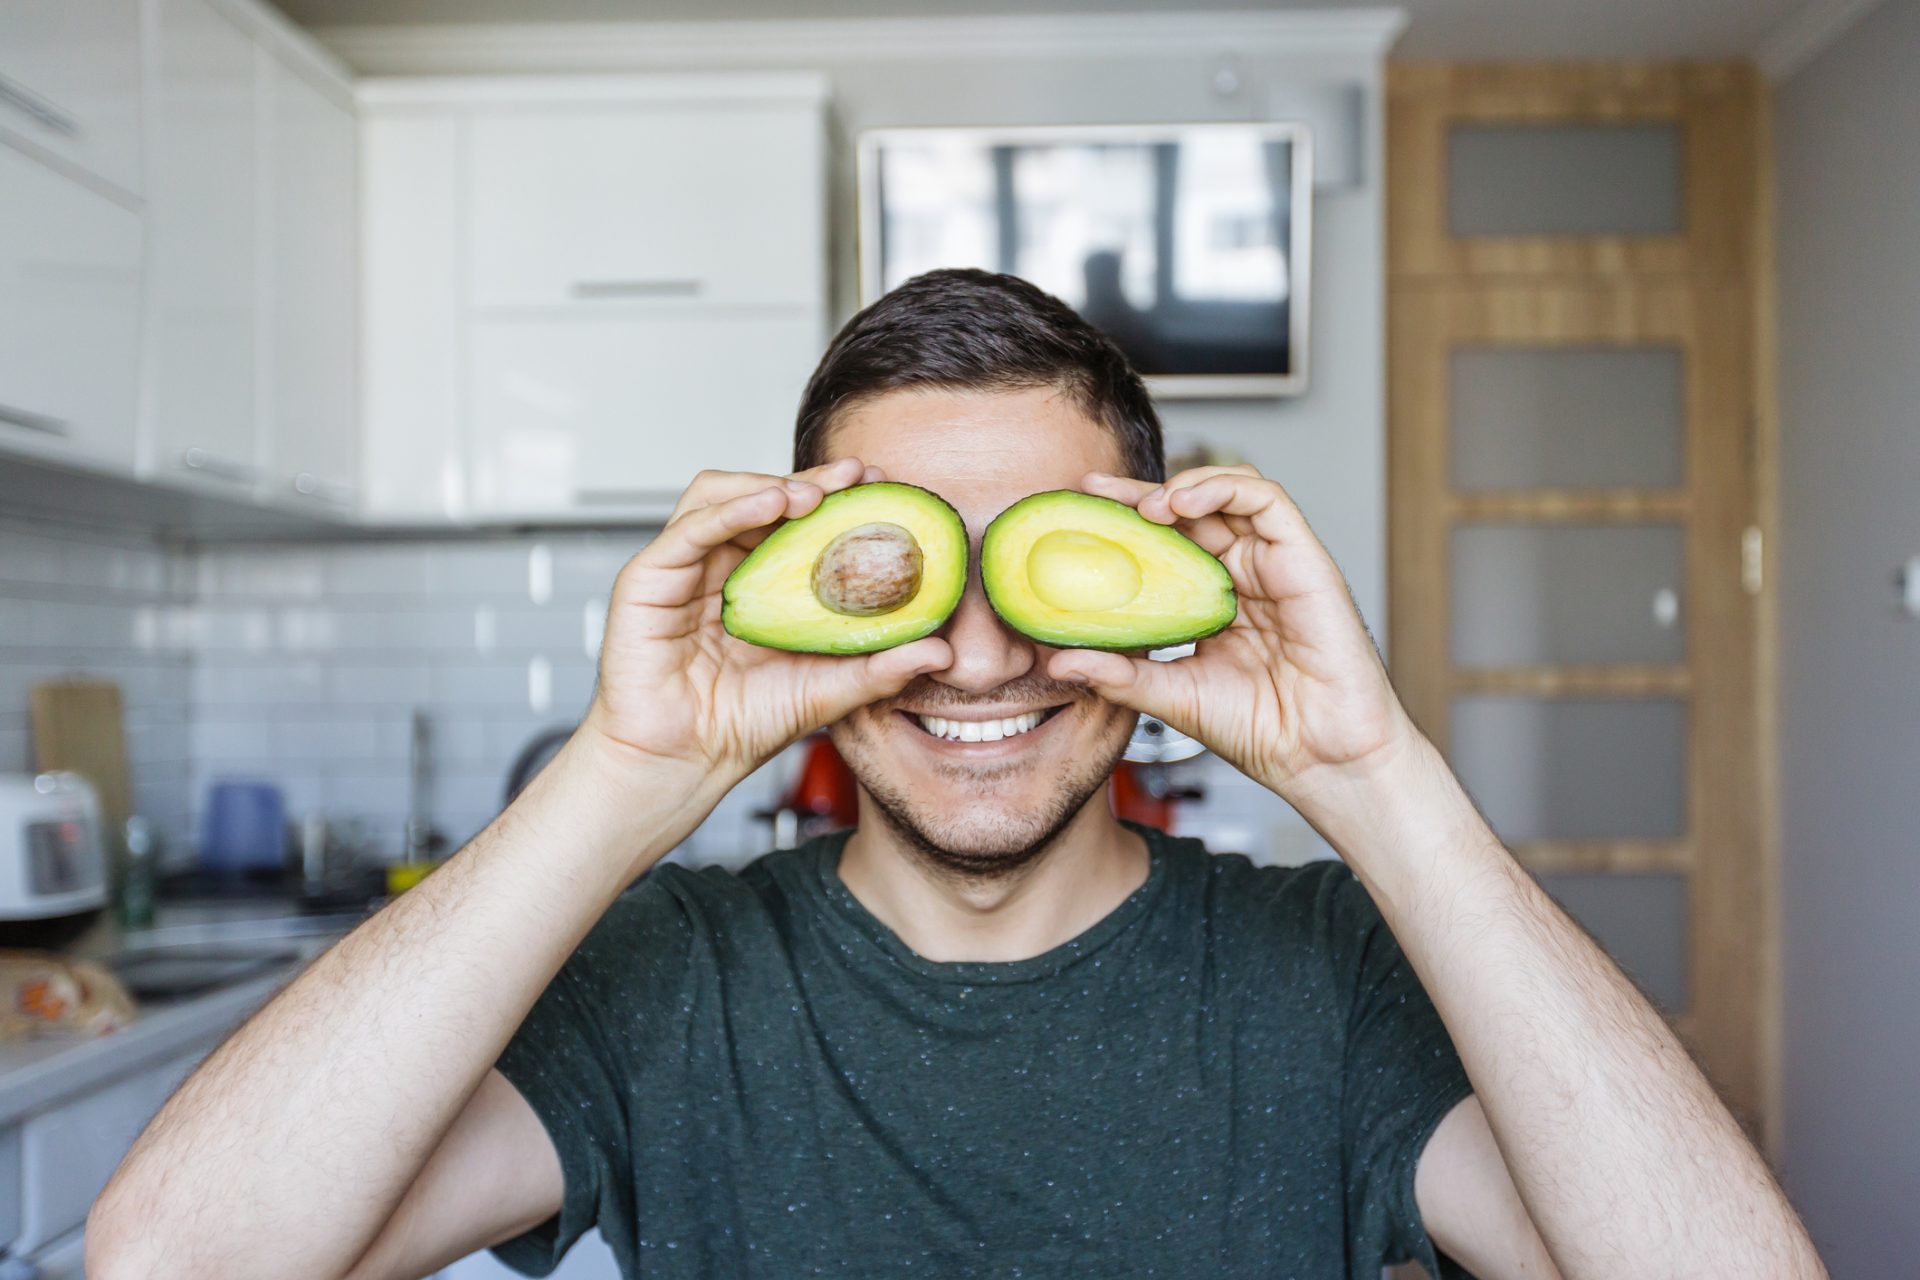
x=36, y=1073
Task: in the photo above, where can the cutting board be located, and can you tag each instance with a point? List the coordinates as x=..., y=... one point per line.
x=79, y=725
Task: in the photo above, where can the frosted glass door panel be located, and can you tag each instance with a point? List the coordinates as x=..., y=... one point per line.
x=1527, y=595
x=1564, y=180
x=1551, y=769
x=1642, y=922
x=1574, y=417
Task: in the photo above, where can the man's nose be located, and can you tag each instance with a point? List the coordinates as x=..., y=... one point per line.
x=986, y=652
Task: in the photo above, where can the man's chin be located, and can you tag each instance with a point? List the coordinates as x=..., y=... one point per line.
x=991, y=836
x=987, y=838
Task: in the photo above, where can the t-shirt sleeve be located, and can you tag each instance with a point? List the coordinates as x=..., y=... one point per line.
x=602, y=1018
x=1400, y=1078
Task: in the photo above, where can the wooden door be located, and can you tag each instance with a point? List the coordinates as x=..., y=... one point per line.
x=1579, y=455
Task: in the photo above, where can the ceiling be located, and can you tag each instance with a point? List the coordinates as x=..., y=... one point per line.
x=1436, y=28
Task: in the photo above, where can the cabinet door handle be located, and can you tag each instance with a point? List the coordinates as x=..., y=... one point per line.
x=43, y=113
x=637, y=288
x=33, y=421
x=309, y=485
x=218, y=465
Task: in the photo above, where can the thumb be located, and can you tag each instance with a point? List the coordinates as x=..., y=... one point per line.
x=843, y=684
x=1163, y=690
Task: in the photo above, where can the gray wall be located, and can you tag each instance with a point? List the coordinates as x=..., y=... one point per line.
x=1848, y=129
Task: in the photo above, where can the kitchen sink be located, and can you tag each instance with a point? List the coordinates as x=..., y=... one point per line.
x=157, y=975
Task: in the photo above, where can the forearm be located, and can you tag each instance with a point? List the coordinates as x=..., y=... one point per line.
x=322, y=1109
x=1626, y=1160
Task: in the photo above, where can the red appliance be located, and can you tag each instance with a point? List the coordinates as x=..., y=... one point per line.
x=1144, y=790
x=824, y=796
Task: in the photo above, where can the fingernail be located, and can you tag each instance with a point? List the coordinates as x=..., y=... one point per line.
x=1076, y=678
x=1160, y=492
x=797, y=487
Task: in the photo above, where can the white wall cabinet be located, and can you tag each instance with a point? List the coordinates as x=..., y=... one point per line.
x=596, y=205
x=69, y=317
x=203, y=302
x=312, y=410
x=178, y=256
x=70, y=84
x=608, y=412
x=579, y=292
x=412, y=463
x=251, y=298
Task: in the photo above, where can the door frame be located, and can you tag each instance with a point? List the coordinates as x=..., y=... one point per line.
x=1708, y=292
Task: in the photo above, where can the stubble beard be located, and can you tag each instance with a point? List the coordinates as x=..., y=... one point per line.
x=968, y=849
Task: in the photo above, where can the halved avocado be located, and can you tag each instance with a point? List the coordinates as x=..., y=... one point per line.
x=871, y=567
x=1081, y=572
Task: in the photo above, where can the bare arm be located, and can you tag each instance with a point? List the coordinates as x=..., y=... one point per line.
x=1469, y=1204
x=289, y=1150
x=468, y=1196
x=353, y=1126
x=1624, y=1160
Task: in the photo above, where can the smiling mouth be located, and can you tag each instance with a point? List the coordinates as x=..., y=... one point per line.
x=997, y=730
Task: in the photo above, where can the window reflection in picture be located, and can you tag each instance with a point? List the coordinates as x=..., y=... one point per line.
x=1186, y=244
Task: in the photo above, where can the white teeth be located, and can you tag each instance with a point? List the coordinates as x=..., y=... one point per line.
x=981, y=730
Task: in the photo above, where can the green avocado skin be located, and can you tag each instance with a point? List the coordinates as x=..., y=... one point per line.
x=1210, y=609
x=745, y=614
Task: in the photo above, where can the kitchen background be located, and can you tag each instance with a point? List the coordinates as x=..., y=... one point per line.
x=340, y=371
x=301, y=659
x=305, y=665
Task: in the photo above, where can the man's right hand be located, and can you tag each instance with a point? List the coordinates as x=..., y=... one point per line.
x=679, y=692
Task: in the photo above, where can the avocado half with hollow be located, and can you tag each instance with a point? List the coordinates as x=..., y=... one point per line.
x=1082, y=572
x=871, y=567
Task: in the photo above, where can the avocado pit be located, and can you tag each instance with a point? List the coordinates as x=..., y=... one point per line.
x=869, y=570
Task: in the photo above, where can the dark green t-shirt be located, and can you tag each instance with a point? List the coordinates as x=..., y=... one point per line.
x=747, y=1074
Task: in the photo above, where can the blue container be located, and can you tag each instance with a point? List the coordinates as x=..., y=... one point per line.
x=245, y=827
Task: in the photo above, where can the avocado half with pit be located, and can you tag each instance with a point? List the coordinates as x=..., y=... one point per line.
x=1081, y=572
x=871, y=567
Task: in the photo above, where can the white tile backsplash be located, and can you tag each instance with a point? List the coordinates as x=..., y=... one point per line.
x=494, y=572
x=382, y=570
x=364, y=633
x=83, y=603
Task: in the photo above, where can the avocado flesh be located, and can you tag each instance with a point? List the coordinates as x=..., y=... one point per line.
x=1081, y=572
x=770, y=597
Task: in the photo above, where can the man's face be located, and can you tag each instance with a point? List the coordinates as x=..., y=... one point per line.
x=981, y=808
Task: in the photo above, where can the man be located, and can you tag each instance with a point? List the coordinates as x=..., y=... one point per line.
x=993, y=1032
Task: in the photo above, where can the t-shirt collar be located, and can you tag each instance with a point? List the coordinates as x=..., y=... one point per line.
x=825, y=867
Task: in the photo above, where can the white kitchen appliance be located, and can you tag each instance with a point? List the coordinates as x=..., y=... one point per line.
x=52, y=848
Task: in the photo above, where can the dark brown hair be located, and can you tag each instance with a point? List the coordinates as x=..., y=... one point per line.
x=968, y=330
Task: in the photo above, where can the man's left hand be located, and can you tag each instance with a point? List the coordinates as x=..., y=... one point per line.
x=1293, y=691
